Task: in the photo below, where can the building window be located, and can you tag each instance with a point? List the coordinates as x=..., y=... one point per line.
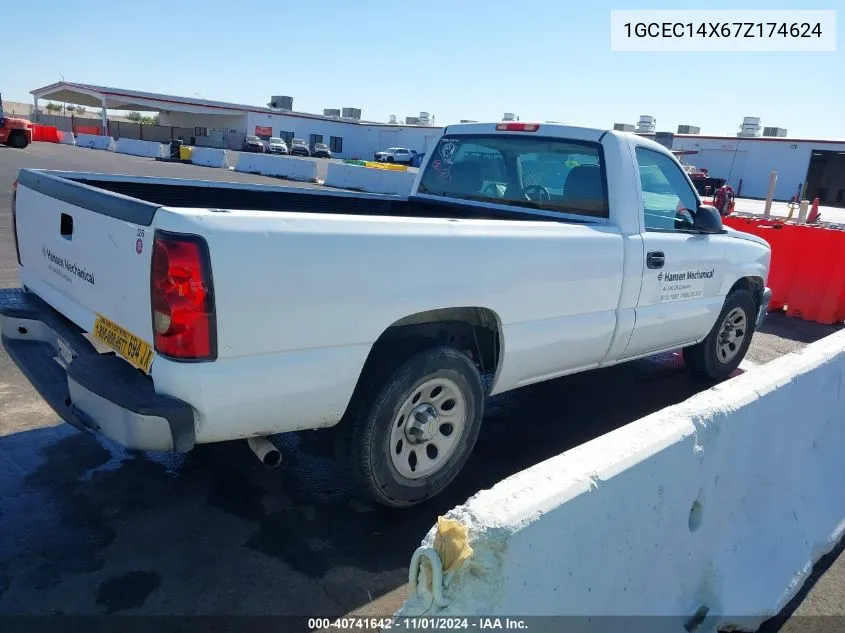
x=313, y=139
x=336, y=144
x=200, y=131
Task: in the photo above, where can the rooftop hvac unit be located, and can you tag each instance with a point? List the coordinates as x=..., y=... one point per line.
x=623, y=127
x=750, y=126
x=689, y=129
x=412, y=120
x=392, y=119
x=468, y=121
x=646, y=123
x=335, y=112
x=777, y=132
x=281, y=103
x=508, y=116
x=351, y=113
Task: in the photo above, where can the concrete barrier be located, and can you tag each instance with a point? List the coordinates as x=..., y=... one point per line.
x=209, y=157
x=387, y=181
x=135, y=147
x=95, y=141
x=718, y=505
x=302, y=169
x=66, y=138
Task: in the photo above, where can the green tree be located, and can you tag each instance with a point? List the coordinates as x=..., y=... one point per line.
x=134, y=116
x=53, y=107
x=80, y=110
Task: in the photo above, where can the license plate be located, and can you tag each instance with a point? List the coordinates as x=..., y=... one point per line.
x=132, y=348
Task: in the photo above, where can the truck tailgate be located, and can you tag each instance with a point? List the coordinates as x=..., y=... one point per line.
x=87, y=253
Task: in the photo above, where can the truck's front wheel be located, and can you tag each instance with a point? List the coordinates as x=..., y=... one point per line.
x=408, y=438
x=718, y=355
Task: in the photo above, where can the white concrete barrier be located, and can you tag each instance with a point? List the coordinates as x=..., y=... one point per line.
x=135, y=147
x=95, y=141
x=720, y=504
x=303, y=169
x=210, y=157
x=368, y=179
x=66, y=138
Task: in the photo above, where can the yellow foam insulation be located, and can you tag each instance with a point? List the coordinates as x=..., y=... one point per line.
x=451, y=543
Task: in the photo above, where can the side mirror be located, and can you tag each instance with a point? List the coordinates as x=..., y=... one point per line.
x=707, y=219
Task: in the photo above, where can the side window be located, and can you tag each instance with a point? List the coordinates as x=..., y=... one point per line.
x=668, y=200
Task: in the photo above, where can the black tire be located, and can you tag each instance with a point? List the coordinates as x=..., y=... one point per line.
x=703, y=359
x=390, y=159
x=18, y=140
x=363, y=437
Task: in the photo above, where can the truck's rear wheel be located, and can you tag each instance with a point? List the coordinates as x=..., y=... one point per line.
x=408, y=439
x=18, y=140
x=718, y=355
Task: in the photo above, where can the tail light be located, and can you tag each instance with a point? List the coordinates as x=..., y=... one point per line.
x=182, y=297
x=515, y=126
x=14, y=221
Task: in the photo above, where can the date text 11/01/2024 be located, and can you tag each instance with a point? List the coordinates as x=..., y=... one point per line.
x=418, y=624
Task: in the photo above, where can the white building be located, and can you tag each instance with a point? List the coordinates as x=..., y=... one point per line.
x=222, y=124
x=815, y=165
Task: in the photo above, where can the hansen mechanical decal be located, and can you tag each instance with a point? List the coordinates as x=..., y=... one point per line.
x=673, y=287
x=690, y=274
x=61, y=266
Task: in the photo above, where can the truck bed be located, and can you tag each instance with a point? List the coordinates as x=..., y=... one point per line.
x=142, y=196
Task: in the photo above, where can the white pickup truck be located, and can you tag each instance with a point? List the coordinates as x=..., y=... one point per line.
x=239, y=311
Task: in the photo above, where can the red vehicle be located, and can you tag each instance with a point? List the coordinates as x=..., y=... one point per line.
x=14, y=132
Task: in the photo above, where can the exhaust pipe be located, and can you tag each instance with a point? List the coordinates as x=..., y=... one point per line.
x=265, y=451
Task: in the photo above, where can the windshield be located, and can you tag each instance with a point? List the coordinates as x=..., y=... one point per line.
x=298, y=141
x=276, y=141
x=253, y=139
x=392, y=149
x=321, y=145
x=546, y=173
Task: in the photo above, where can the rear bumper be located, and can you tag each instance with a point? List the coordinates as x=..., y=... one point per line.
x=96, y=393
x=764, y=307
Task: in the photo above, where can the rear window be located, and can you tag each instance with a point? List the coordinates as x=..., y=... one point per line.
x=543, y=173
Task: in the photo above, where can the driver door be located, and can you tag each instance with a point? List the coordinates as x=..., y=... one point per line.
x=682, y=270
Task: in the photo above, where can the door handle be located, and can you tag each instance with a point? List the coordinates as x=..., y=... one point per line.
x=66, y=226
x=655, y=259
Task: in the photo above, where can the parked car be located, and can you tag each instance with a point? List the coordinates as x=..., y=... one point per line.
x=321, y=150
x=276, y=146
x=395, y=155
x=253, y=144
x=298, y=147
x=417, y=160
x=240, y=324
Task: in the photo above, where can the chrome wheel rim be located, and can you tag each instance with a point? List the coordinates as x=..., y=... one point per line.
x=732, y=334
x=427, y=428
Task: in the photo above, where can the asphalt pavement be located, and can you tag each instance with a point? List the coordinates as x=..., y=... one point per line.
x=89, y=528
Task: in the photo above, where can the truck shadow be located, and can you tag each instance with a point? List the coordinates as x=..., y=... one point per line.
x=74, y=504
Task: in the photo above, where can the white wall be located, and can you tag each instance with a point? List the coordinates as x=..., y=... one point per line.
x=358, y=140
x=216, y=121
x=755, y=159
x=725, y=500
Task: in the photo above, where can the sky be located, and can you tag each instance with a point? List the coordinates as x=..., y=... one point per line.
x=457, y=59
